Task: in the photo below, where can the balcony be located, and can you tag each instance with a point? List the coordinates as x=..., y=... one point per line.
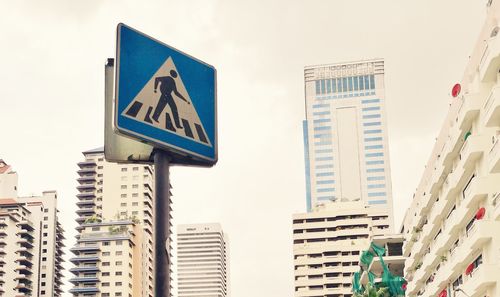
x=494, y=157
x=490, y=60
x=478, y=189
x=472, y=150
x=87, y=171
x=79, y=259
x=77, y=270
x=468, y=111
x=85, y=195
x=76, y=280
x=491, y=109
x=450, y=150
x=88, y=186
x=85, y=248
x=87, y=163
x=78, y=290
x=484, y=276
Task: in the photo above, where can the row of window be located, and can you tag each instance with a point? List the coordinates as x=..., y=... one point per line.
x=344, y=96
x=345, y=84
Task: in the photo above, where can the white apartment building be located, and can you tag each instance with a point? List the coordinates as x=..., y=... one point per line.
x=31, y=241
x=452, y=226
x=113, y=197
x=345, y=134
x=51, y=241
x=327, y=243
x=202, y=261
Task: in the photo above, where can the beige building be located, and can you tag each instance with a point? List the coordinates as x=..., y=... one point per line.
x=327, y=243
x=202, y=261
x=452, y=225
x=31, y=241
x=114, y=250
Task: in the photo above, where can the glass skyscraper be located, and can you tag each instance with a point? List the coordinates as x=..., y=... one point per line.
x=345, y=134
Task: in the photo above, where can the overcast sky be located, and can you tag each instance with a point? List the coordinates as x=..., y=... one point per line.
x=52, y=56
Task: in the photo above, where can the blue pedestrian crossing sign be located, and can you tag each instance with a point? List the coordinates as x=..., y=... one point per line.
x=166, y=98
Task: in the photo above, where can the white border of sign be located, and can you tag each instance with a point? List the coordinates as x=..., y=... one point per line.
x=182, y=153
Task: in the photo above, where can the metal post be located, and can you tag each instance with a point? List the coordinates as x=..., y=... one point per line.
x=162, y=224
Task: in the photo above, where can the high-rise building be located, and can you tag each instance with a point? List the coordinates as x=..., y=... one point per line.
x=202, y=261
x=345, y=134
x=31, y=241
x=452, y=226
x=8, y=181
x=114, y=251
x=327, y=242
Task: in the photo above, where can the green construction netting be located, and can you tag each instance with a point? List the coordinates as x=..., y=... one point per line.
x=366, y=258
x=389, y=286
x=371, y=277
x=356, y=287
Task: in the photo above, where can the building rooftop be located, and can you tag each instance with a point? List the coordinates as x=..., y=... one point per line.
x=93, y=151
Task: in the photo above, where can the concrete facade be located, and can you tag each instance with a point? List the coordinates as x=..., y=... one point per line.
x=345, y=134
x=115, y=219
x=451, y=227
x=202, y=261
x=327, y=243
x=31, y=241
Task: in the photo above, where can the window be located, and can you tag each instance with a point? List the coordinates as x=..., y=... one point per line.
x=118, y=263
x=135, y=203
x=135, y=168
x=371, y=116
x=370, y=139
x=373, y=155
x=118, y=273
x=118, y=253
x=105, y=274
x=459, y=281
x=377, y=194
x=123, y=195
x=372, y=124
x=370, y=101
x=123, y=204
x=372, y=131
x=135, y=194
x=318, y=90
x=124, y=169
x=46, y=210
x=105, y=253
x=372, y=178
x=371, y=108
x=123, y=187
x=367, y=82
x=105, y=264
x=344, y=84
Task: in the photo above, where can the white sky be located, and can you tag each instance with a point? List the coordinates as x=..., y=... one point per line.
x=52, y=55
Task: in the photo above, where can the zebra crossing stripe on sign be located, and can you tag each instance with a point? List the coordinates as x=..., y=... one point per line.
x=164, y=103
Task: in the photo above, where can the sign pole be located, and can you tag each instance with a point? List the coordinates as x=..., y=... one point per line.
x=162, y=224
